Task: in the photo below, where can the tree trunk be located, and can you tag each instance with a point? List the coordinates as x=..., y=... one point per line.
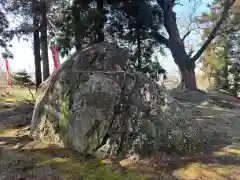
x=44, y=42
x=184, y=63
x=100, y=23
x=235, y=84
x=36, y=44
x=76, y=8
x=139, y=66
x=176, y=45
x=177, y=48
x=188, y=78
x=225, y=76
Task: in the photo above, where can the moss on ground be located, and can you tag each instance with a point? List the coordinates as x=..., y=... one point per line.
x=65, y=163
x=74, y=166
x=7, y=132
x=88, y=170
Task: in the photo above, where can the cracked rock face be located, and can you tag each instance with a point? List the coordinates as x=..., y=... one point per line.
x=93, y=106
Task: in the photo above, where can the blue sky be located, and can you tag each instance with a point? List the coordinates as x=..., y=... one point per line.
x=23, y=53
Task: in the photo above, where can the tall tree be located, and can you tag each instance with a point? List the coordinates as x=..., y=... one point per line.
x=44, y=38
x=27, y=20
x=36, y=43
x=220, y=59
x=131, y=23
x=100, y=21
x=5, y=35
x=76, y=8
x=104, y=20
x=75, y=26
x=38, y=11
x=81, y=23
x=175, y=42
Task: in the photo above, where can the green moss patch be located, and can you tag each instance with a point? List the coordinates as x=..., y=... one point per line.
x=74, y=168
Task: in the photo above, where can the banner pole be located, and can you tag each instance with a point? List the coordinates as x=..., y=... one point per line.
x=8, y=74
x=55, y=56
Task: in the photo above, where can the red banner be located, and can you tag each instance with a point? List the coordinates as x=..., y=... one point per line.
x=6, y=61
x=55, y=56
x=8, y=73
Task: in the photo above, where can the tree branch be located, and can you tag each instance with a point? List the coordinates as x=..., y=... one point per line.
x=189, y=32
x=227, y=5
x=191, y=17
x=184, y=37
x=160, y=38
x=23, y=30
x=228, y=31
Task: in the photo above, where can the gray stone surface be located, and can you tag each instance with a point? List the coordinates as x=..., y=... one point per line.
x=93, y=106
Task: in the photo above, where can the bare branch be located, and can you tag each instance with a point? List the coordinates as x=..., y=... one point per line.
x=184, y=37
x=191, y=19
x=188, y=33
x=29, y=90
x=23, y=30
x=227, y=6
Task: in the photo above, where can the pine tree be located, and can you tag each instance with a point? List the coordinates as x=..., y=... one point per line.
x=22, y=79
x=5, y=35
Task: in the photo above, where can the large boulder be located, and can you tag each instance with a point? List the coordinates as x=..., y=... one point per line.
x=93, y=106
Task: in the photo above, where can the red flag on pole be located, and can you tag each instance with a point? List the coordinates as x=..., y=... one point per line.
x=6, y=64
x=8, y=73
x=55, y=56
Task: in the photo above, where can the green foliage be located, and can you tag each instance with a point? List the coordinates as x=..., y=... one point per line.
x=219, y=59
x=75, y=25
x=128, y=24
x=71, y=27
x=132, y=26
x=5, y=35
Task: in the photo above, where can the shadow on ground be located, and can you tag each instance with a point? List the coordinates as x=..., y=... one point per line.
x=220, y=160
x=66, y=163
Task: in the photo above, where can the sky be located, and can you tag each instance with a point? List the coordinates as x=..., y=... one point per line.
x=24, y=58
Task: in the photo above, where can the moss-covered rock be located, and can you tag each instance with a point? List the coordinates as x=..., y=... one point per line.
x=91, y=105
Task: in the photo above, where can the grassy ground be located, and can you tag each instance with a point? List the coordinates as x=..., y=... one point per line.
x=219, y=114
x=22, y=158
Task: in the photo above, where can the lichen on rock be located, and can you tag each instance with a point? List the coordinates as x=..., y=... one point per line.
x=93, y=106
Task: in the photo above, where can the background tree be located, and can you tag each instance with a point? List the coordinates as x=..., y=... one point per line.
x=123, y=21
x=22, y=79
x=131, y=24
x=44, y=37
x=26, y=26
x=36, y=43
x=31, y=23
x=135, y=25
x=185, y=61
x=5, y=35
x=74, y=26
x=219, y=59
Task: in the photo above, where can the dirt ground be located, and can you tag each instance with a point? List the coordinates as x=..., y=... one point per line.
x=21, y=158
